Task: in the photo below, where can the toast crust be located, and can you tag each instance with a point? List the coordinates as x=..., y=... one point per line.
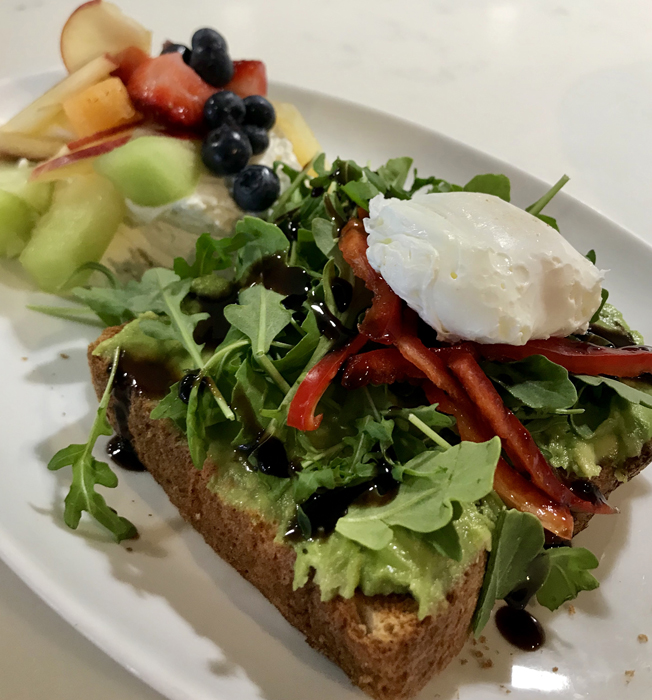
x=378, y=641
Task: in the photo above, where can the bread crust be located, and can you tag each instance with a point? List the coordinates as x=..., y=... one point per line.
x=378, y=641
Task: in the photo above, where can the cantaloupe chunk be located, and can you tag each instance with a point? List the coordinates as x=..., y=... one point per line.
x=295, y=128
x=105, y=105
x=78, y=227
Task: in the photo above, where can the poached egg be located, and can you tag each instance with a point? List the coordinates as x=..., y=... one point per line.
x=475, y=267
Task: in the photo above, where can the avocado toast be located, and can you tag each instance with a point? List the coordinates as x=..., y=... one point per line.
x=270, y=497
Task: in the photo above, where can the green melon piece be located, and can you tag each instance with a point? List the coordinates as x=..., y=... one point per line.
x=152, y=170
x=17, y=220
x=15, y=179
x=77, y=229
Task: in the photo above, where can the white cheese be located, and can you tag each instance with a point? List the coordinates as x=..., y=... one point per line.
x=156, y=235
x=475, y=267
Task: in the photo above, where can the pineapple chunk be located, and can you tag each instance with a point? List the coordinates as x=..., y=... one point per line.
x=100, y=107
x=295, y=128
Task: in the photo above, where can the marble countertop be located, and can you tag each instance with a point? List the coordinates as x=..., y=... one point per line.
x=550, y=86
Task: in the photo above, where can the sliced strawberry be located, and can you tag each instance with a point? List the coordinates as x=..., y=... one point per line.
x=128, y=60
x=167, y=90
x=249, y=78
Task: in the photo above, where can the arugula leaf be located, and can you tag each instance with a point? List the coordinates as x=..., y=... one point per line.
x=172, y=407
x=196, y=428
x=569, y=574
x=260, y=315
x=395, y=171
x=535, y=381
x=604, y=295
x=171, y=292
x=498, y=185
x=261, y=239
x=462, y=473
x=361, y=192
x=536, y=208
x=88, y=472
x=210, y=254
x=323, y=232
x=517, y=539
x=629, y=393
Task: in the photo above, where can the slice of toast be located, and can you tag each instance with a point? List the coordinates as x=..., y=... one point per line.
x=378, y=641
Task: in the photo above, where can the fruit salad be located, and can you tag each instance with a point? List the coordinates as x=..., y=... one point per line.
x=130, y=157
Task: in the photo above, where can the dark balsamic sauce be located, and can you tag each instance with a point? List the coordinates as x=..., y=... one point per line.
x=342, y=293
x=275, y=274
x=325, y=507
x=587, y=491
x=133, y=376
x=513, y=621
x=213, y=330
x=520, y=628
x=329, y=325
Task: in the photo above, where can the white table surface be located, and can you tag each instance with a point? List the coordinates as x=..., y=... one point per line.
x=551, y=86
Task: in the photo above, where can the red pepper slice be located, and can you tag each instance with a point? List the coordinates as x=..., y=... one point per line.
x=517, y=441
x=512, y=488
x=577, y=357
x=301, y=414
x=384, y=366
x=382, y=322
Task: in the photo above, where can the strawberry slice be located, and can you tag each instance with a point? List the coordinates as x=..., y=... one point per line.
x=249, y=78
x=128, y=60
x=169, y=91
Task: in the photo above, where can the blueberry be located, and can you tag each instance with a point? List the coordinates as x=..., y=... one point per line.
x=210, y=58
x=258, y=138
x=185, y=52
x=259, y=112
x=256, y=188
x=222, y=107
x=226, y=151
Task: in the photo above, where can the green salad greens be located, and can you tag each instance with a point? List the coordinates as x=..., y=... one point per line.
x=240, y=342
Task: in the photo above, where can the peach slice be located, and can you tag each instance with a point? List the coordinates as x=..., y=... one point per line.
x=96, y=28
x=45, y=109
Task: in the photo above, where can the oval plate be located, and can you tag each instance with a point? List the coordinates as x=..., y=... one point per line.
x=168, y=609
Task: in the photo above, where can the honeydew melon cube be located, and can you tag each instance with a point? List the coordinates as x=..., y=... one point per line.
x=15, y=179
x=152, y=170
x=17, y=220
x=77, y=229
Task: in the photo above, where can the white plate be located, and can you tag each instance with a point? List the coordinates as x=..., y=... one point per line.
x=183, y=621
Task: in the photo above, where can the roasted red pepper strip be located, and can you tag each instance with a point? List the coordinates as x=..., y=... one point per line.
x=301, y=414
x=517, y=441
x=514, y=490
x=384, y=366
x=382, y=322
x=577, y=357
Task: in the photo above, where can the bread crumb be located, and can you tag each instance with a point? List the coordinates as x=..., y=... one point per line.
x=24, y=359
x=474, y=641
x=129, y=549
x=482, y=639
x=486, y=663
x=475, y=652
x=628, y=676
x=642, y=638
x=571, y=610
x=63, y=356
x=507, y=691
x=463, y=662
x=555, y=669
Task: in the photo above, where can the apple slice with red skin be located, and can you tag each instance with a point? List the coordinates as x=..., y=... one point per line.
x=96, y=28
x=77, y=162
